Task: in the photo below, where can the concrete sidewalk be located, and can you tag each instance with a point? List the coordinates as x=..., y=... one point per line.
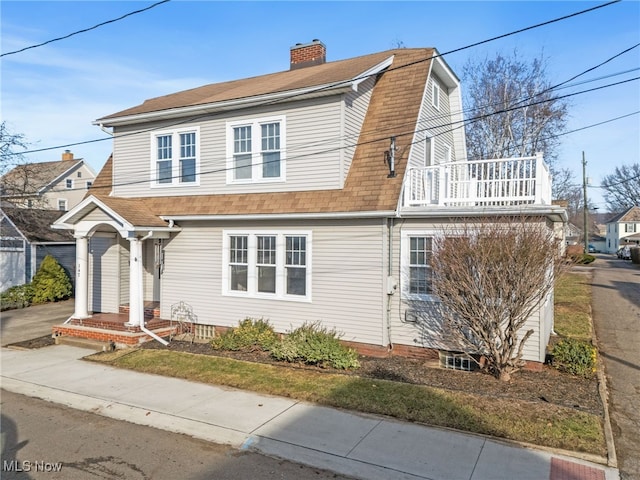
x=361, y=446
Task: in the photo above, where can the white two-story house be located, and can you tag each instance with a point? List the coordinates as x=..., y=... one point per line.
x=310, y=194
x=623, y=229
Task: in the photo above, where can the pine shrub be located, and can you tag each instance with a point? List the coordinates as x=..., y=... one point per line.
x=314, y=344
x=51, y=283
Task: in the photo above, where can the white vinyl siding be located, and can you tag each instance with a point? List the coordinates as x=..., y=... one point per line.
x=355, y=105
x=348, y=278
x=427, y=331
x=312, y=150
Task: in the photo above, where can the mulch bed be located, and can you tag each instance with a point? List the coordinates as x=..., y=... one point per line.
x=547, y=385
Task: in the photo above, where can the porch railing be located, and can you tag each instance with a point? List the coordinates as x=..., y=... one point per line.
x=497, y=182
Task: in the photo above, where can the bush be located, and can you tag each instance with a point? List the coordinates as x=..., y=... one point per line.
x=582, y=258
x=313, y=344
x=51, y=283
x=574, y=356
x=249, y=335
x=19, y=296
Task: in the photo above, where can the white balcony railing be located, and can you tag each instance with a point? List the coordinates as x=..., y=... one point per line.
x=498, y=182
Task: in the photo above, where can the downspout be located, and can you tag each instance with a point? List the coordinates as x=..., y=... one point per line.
x=390, y=290
x=141, y=293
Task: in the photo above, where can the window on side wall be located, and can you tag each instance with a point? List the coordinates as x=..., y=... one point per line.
x=416, y=265
x=62, y=204
x=175, y=158
x=435, y=97
x=255, y=150
x=266, y=264
x=69, y=183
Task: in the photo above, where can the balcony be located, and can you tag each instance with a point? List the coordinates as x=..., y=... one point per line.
x=483, y=183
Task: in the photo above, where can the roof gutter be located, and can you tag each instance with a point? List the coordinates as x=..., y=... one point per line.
x=283, y=216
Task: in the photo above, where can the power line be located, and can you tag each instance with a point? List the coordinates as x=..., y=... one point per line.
x=362, y=77
x=85, y=29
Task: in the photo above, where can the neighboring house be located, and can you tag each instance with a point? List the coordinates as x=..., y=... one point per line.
x=623, y=229
x=311, y=194
x=27, y=237
x=58, y=185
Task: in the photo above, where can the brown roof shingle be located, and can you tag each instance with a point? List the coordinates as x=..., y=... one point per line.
x=393, y=111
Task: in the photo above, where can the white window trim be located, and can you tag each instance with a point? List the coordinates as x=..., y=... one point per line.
x=88, y=184
x=256, y=164
x=429, y=150
x=66, y=183
x=435, y=95
x=252, y=276
x=66, y=204
x=405, y=252
x=175, y=158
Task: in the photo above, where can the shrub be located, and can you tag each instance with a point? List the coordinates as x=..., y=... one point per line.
x=249, y=335
x=51, y=283
x=574, y=356
x=313, y=344
x=19, y=296
x=584, y=259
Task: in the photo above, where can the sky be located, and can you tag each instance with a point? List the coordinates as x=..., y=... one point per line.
x=52, y=94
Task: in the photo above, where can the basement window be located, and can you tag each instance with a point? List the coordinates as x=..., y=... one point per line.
x=456, y=361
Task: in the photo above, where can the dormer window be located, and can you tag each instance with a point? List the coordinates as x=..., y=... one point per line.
x=175, y=158
x=255, y=150
x=435, y=98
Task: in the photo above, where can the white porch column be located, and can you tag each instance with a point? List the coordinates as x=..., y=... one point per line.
x=82, y=278
x=136, y=302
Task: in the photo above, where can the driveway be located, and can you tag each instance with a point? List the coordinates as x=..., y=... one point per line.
x=33, y=322
x=616, y=314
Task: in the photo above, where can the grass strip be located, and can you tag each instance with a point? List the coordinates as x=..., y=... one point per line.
x=535, y=423
x=573, y=306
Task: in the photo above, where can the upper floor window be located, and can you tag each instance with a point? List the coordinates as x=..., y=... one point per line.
x=175, y=157
x=89, y=184
x=62, y=204
x=79, y=174
x=435, y=98
x=69, y=183
x=256, y=150
x=629, y=227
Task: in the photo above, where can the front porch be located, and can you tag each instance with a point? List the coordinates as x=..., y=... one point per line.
x=116, y=329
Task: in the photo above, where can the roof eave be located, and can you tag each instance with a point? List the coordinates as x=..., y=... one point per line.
x=299, y=94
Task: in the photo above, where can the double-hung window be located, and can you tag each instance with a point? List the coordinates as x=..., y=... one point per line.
x=175, y=158
x=267, y=264
x=435, y=96
x=256, y=150
x=417, y=273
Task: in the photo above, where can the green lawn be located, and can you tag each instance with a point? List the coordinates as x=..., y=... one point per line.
x=573, y=306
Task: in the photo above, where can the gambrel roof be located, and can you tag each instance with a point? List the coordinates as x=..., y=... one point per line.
x=393, y=111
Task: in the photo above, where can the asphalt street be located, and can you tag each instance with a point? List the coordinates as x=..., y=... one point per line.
x=616, y=314
x=43, y=440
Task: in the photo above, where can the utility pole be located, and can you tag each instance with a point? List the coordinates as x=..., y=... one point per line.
x=585, y=205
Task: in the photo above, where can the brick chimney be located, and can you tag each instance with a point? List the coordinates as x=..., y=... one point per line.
x=307, y=55
x=67, y=155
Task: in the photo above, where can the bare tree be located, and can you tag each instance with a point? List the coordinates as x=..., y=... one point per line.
x=512, y=108
x=622, y=188
x=491, y=277
x=20, y=180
